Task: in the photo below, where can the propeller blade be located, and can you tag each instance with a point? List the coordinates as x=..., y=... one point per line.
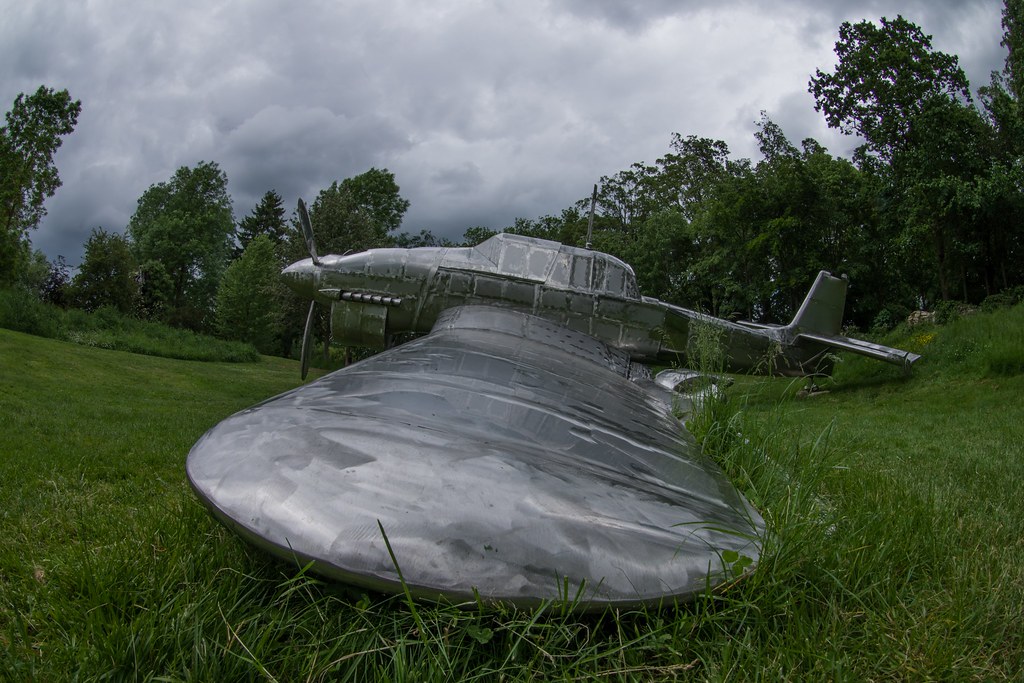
x=307, y=231
x=307, y=348
x=327, y=342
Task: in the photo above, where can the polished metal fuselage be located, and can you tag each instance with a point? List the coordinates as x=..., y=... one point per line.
x=381, y=293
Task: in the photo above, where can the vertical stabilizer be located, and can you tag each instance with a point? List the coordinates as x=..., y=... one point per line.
x=822, y=310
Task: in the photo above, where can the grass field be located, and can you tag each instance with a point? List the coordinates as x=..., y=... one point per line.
x=896, y=548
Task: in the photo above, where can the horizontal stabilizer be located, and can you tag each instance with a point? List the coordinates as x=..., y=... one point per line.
x=876, y=351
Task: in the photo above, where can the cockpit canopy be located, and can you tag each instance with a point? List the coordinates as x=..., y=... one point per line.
x=556, y=265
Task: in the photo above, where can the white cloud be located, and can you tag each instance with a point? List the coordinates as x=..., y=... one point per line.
x=484, y=110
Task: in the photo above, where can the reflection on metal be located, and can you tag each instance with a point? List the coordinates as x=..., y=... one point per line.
x=501, y=453
x=517, y=448
x=584, y=290
x=696, y=386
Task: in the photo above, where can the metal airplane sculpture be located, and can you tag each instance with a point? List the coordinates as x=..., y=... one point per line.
x=517, y=450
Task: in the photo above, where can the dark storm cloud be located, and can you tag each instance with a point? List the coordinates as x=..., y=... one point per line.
x=484, y=111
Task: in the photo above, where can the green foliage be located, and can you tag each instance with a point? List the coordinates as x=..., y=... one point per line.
x=690, y=171
x=45, y=280
x=107, y=276
x=35, y=273
x=1005, y=299
x=892, y=553
x=947, y=312
x=357, y=213
x=249, y=298
x=107, y=328
x=475, y=235
x=986, y=344
x=376, y=194
x=982, y=344
x=29, y=139
x=267, y=218
x=181, y=232
x=425, y=238
x=22, y=310
x=930, y=210
x=885, y=75
x=55, y=287
x=353, y=215
x=888, y=318
x=942, y=179
x=657, y=253
x=1013, y=41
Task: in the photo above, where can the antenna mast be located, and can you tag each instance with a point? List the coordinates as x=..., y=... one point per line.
x=590, y=223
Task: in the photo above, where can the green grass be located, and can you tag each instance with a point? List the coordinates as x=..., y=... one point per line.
x=894, y=549
x=106, y=328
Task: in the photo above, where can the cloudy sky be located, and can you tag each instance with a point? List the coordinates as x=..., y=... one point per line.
x=483, y=110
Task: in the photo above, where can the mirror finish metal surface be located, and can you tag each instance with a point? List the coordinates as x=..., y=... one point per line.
x=581, y=289
x=501, y=453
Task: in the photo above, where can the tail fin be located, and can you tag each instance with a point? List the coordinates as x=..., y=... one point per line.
x=820, y=319
x=822, y=309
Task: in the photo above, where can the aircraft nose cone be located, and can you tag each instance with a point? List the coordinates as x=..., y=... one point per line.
x=301, y=277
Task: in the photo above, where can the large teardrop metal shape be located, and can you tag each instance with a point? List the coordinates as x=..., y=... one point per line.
x=307, y=348
x=307, y=231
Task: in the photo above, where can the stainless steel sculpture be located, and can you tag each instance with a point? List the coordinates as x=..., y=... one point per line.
x=517, y=450
x=378, y=294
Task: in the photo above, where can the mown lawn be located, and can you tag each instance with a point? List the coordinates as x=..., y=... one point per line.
x=896, y=548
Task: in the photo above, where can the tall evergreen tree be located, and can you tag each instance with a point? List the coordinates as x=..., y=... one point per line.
x=267, y=218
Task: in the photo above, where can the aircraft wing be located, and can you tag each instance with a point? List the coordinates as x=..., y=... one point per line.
x=501, y=453
x=864, y=348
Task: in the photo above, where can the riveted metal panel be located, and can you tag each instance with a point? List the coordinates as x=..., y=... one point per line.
x=359, y=324
x=504, y=456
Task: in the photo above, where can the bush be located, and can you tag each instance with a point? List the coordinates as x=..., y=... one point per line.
x=888, y=318
x=950, y=311
x=24, y=312
x=1004, y=299
x=109, y=329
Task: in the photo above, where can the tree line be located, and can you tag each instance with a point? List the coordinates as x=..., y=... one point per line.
x=928, y=209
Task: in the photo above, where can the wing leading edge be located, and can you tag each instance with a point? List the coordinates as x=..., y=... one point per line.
x=501, y=453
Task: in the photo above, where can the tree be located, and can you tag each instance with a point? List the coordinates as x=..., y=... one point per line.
x=182, y=235
x=729, y=268
x=475, y=235
x=1000, y=192
x=355, y=214
x=425, y=238
x=931, y=148
x=1013, y=41
x=28, y=141
x=934, y=185
x=658, y=253
x=55, y=288
x=34, y=273
x=340, y=225
x=267, y=218
x=690, y=172
x=249, y=297
x=884, y=78
x=107, y=276
x=349, y=216
x=47, y=280
x=626, y=198
x=376, y=194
